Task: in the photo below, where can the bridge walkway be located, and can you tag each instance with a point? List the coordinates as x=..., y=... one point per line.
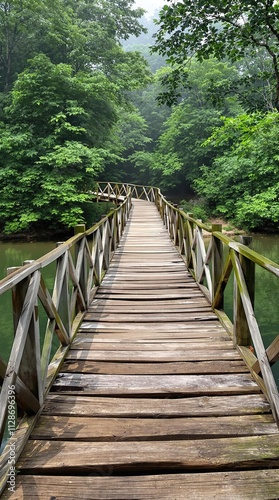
x=153, y=401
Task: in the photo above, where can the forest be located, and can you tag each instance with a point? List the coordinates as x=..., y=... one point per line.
x=93, y=90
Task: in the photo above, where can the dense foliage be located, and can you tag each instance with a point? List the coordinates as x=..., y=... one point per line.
x=243, y=182
x=82, y=97
x=64, y=82
x=223, y=144
x=221, y=29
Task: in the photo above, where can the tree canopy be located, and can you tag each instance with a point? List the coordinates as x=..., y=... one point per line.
x=242, y=184
x=64, y=79
x=220, y=29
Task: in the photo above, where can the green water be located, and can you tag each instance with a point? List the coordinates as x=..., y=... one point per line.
x=13, y=255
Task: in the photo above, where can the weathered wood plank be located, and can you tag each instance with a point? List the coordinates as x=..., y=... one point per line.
x=198, y=367
x=146, y=295
x=148, y=276
x=158, y=318
x=181, y=303
x=212, y=325
x=248, y=404
x=237, y=485
x=199, y=454
x=88, y=344
x=130, y=429
x=154, y=356
x=156, y=384
x=140, y=335
x=150, y=309
x=168, y=326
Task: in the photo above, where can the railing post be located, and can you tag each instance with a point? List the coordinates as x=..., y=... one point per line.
x=199, y=251
x=189, y=235
x=61, y=290
x=242, y=334
x=30, y=367
x=82, y=271
x=217, y=262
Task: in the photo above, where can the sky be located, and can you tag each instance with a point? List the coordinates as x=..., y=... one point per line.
x=149, y=5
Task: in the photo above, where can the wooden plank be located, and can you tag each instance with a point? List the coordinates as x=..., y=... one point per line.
x=154, y=356
x=198, y=367
x=131, y=429
x=146, y=295
x=158, y=336
x=135, y=339
x=116, y=302
x=88, y=344
x=149, y=308
x=140, y=317
x=208, y=325
x=153, y=267
x=148, y=335
x=145, y=277
x=188, y=329
x=148, y=286
x=199, y=454
x=156, y=384
x=196, y=406
x=236, y=485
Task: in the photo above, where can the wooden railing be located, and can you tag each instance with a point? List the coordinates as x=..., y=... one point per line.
x=80, y=264
x=117, y=192
x=211, y=257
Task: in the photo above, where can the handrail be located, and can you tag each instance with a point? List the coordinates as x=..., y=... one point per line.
x=211, y=270
x=81, y=263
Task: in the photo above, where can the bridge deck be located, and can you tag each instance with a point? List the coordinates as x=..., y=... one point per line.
x=153, y=401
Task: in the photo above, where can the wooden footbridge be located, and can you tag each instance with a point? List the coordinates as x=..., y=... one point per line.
x=139, y=386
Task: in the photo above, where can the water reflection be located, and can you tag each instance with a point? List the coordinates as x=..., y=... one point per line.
x=14, y=254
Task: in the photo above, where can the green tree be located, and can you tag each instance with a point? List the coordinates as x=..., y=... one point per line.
x=31, y=26
x=65, y=81
x=83, y=33
x=53, y=144
x=221, y=29
x=179, y=153
x=243, y=183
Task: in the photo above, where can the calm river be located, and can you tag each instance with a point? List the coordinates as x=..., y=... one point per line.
x=266, y=300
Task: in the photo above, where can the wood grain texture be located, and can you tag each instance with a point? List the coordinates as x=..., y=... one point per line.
x=146, y=429
x=156, y=384
x=136, y=456
x=154, y=356
x=191, y=367
x=248, y=404
x=239, y=485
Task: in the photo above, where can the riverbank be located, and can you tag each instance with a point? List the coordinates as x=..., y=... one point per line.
x=227, y=228
x=36, y=237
